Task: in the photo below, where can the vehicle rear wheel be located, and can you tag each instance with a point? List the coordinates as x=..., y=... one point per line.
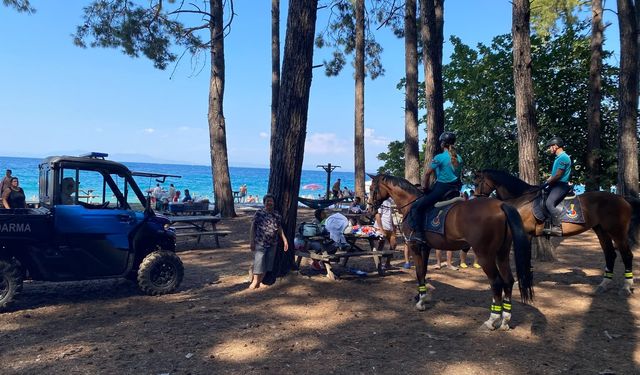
x=160, y=272
x=10, y=282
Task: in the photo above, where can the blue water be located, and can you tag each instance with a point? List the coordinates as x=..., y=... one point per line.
x=196, y=178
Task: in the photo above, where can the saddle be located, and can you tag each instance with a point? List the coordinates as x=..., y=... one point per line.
x=436, y=217
x=570, y=206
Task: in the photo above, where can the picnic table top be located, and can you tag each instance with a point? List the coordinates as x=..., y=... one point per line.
x=193, y=218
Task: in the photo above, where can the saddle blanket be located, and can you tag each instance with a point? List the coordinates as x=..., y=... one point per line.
x=436, y=218
x=571, y=210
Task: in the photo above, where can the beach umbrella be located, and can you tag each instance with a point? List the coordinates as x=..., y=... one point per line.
x=312, y=187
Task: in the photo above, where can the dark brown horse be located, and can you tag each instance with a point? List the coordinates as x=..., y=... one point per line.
x=488, y=225
x=609, y=215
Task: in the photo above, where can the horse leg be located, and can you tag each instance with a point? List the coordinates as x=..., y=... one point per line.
x=622, y=243
x=421, y=258
x=609, y=257
x=497, y=284
x=507, y=276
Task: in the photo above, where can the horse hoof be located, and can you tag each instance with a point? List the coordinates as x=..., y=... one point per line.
x=505, y=327
x=488, y=325
x=421, y=306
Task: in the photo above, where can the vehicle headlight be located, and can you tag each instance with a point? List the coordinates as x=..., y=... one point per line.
x=167, y=226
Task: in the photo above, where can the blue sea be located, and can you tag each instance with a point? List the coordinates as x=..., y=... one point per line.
x=196, y=178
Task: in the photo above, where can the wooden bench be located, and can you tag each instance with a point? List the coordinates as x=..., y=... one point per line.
x=215, y=233
x=342, y=256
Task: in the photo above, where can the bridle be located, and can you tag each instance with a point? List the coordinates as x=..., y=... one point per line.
x=377, y=203
x=481, y=186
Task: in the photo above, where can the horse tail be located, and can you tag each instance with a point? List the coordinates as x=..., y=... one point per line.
x=634, y=225
x=522, y=250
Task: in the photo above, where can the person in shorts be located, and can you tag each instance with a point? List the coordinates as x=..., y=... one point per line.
x=263, y=237
x=384, y=225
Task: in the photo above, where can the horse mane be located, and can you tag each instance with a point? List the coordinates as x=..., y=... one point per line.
x=513, y=184
x=401, y=183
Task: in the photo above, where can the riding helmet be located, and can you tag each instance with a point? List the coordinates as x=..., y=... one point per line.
x=448, y=138
x=555, y=141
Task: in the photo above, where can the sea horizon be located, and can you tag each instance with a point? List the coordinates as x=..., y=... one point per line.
x=197, y=178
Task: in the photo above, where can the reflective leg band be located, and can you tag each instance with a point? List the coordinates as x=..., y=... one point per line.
x=422, y=288
x=496, y=308
x=628, y=275
x=506, y=306
x=608, y=275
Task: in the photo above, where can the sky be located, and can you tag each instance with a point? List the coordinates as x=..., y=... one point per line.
x=56, y=98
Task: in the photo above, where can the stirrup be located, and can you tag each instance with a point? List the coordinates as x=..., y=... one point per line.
x=555, y=230
x=416, y=236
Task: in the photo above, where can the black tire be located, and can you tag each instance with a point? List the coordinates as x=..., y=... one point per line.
x=160, y=272
x=10, y=282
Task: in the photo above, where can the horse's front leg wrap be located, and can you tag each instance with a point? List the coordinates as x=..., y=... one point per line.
x=423, y=297
x=607, y=279
x=506, y=315
x=495, y=317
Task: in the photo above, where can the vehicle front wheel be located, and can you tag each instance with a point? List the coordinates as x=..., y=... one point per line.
x=160, y=272
x=10, y=282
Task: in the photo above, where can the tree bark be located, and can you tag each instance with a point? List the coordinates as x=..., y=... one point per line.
x=432, y=15
x=358, y=142
x=275, y=67
x=628, y=92
x=523, y=84
x=595, y=97
x=217, y=127
x=411, y=139
x=291, y=123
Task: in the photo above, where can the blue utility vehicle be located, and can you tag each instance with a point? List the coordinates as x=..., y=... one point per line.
x=92, y=221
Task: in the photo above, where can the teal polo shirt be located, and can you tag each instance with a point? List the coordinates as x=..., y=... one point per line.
x=562, y=161
x=445, y=171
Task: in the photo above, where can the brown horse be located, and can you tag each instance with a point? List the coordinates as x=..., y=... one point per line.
x=488, y=225
x=609, y=215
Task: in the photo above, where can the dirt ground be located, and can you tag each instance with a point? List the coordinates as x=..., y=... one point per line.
x=307, y=324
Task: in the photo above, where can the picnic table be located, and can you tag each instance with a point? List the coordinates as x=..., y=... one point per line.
x=197, y=226
x=341, y=257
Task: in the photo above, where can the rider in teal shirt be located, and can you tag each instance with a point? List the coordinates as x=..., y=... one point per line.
x=558, y=183
x=447, y=167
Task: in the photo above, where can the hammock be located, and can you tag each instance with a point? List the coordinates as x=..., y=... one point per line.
x=319, y=203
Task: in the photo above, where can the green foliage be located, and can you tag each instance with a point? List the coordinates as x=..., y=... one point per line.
x=340, y=35
x=393, y=159
x=148, y=30
x=19, y=5
x=481, y=101
x=547, y=15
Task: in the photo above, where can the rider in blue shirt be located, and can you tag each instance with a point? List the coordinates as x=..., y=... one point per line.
x=447, y=167
x=558, y=183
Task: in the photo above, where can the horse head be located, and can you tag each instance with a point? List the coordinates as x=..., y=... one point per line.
x=505, y=185
x=484, y=184
x=378, y=193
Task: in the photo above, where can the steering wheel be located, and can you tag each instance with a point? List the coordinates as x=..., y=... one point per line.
x=104, y=205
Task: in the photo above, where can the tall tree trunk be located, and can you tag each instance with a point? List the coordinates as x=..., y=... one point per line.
x=358, y=141
x=275, y=66
x=523, y=84
x=595, y=97
x=217, y=128
x=411, y=139
x=525, y=111
x=291, y=123
x=432, y=15
x=628, y=92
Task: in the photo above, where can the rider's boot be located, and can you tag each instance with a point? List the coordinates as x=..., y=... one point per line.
x=556, y=227
x=417, y=228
